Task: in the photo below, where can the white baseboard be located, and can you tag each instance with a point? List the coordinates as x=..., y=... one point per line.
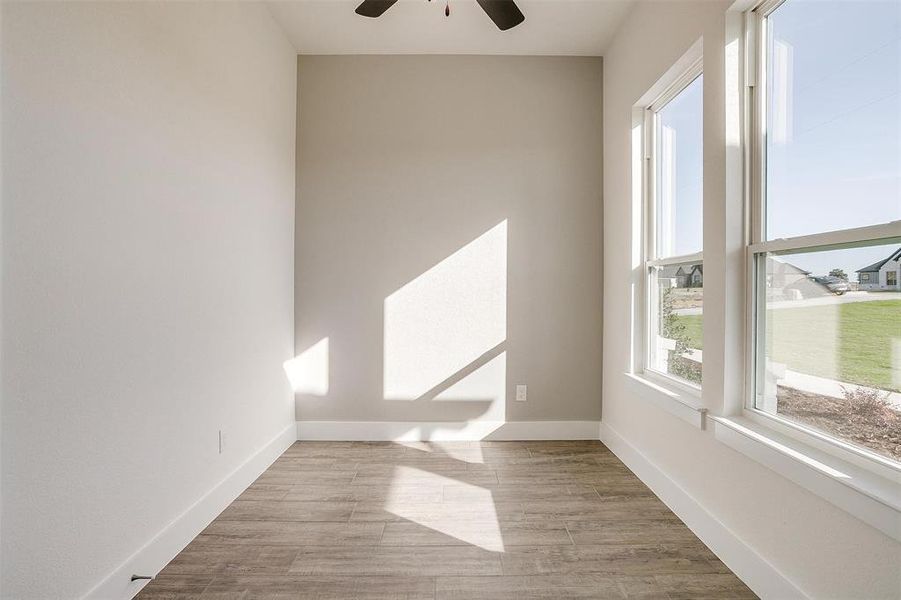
x=401, y=431
x=156, y=553
x=750, y=567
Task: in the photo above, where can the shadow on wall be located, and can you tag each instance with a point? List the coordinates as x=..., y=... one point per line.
x=444, y=339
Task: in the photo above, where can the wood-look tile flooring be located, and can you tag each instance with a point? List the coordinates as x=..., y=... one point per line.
x=468, y=520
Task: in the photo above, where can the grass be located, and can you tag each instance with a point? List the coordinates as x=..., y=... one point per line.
x=694, y=332
x=849, y=342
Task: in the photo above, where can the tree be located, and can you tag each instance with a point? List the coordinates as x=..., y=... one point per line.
x=673, y=328
x=838, y=273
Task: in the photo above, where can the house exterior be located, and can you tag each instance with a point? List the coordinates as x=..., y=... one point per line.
x=781, y=274
x=696, y=276
x=675, y=274
x=884, y=275
x=683, y=276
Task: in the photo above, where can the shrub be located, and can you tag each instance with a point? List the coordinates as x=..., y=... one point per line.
x=674, y=329
x=868, y=405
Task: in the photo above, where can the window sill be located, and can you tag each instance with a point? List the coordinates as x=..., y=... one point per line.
x=874, y=499
x=682, y=401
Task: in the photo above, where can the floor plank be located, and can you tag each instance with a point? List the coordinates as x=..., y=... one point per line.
x=320, y=588
x=405, y=561
x=449, y=521
x=544, y=587
x=613, y=560
x=463, y=532
x=270, y=533
x=271, y=510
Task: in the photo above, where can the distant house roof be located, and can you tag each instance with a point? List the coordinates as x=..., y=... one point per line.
x=874, y=268
x=671, y=271
x=786, y=266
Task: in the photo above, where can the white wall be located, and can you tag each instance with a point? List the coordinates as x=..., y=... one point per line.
x=823, y=551
x=449, y=237
x=1, y=306
x=147, y=228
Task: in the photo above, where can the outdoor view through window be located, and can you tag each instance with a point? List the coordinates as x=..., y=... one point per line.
x=676, y=282
x=829, y=315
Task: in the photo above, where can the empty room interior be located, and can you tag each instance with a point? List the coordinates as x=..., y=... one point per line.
x=450, y=299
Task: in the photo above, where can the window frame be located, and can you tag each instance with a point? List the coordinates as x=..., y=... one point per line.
x=757, y=246
x=650, y=259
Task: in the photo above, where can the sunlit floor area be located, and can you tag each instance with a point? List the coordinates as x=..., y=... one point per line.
x=493, y=520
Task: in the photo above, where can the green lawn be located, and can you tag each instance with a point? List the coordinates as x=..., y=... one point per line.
x=693, y=331
x=849, y=342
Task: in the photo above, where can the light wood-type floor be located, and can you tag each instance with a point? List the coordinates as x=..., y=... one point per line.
x=468, y=521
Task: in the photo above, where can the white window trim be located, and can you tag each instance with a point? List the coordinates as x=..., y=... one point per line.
x=679, y=77
x=859, y=491
x=670, y=395
x=823, y=442
x=864, y=484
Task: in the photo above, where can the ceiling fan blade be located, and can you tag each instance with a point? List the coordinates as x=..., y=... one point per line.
x=504, y=13
x=374, y=8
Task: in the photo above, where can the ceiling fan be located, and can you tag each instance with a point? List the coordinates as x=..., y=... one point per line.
x=504, y=13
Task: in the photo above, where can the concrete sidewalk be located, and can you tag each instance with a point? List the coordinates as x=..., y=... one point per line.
x=827, y=387
x=830, y=300
x=811, y=384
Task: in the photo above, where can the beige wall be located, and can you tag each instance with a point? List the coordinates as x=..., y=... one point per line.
x=147, y=230
x=402, y=161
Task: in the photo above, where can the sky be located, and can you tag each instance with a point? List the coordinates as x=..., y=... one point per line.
x=834, y=124
x=682, y=118
x=834, y=130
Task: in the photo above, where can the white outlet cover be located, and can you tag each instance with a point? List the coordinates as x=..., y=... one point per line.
x=522, y=393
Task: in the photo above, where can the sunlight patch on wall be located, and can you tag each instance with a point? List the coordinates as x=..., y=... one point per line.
x=473, y=521
x=308, y=372
x=447, y=319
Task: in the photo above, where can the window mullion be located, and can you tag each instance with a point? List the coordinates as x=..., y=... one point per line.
x=696, y=257
x=768, y=7
x=758, y=127
x=872, y=235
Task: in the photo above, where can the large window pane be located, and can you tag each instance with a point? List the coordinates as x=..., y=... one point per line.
x=833, y=116
x=679, y=173
x=831, y=352
x=677, y=318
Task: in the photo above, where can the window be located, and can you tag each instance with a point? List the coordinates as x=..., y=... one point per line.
x=826, y=183
x=674, y=262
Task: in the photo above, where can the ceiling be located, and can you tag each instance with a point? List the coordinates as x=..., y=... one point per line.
x=552, y=27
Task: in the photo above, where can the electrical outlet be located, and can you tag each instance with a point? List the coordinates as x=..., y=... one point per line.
x=522, y=393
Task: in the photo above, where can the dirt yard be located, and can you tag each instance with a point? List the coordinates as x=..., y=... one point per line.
x=877, y=428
